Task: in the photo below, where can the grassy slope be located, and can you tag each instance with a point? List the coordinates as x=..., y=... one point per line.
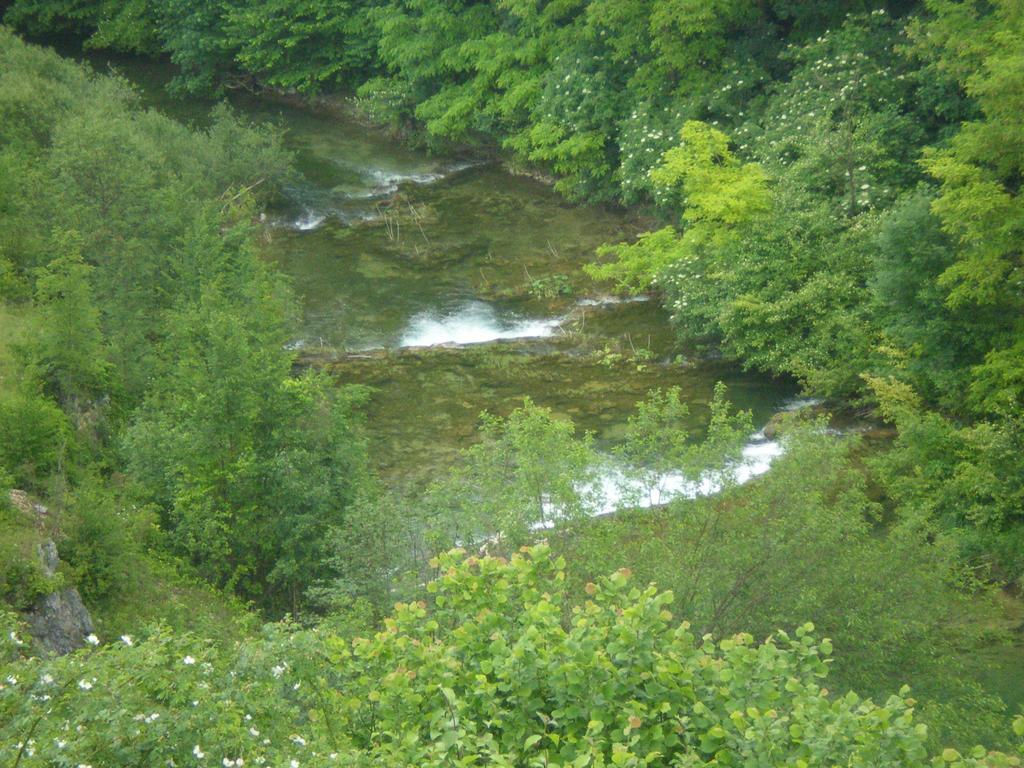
x=158, y=589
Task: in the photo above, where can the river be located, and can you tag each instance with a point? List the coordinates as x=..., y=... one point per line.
x=451, y=286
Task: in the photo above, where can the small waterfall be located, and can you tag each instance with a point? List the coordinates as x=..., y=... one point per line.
x=474, y=322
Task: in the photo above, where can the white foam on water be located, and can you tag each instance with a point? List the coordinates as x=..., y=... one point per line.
x=617, y=489
x=309, y=220
x=474, y=322
x=313, y=220
x=757, y=457
x=382, y=184
x=388, y=182
x=799, y=403
x=609, y=301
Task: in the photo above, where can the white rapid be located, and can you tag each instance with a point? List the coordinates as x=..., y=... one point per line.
x=473, y=322
x=477, y=322
x=614, y=489
x=356, y=202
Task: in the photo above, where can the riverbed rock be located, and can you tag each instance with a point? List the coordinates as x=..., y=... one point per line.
x=771, y=429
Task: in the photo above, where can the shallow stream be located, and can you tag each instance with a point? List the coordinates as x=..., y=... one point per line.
x=452, y=286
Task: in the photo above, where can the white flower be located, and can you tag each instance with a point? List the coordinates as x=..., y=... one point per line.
x=12, y=680
x=198, y=752
x=278, y=670
x=188, y=660
x=46, y=679
x=293, y=764
x=254, y=732
x=299, y=740
x=85, y=685
x=127, y=640
x=92, y=640
x=60, y=744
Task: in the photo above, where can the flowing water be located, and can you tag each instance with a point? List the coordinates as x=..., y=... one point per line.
x=450, y=286
x=415, y=275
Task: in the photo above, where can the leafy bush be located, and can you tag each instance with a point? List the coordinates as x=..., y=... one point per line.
x=550, y=287
x=503, y=668
x=96, y=543
x=22, y=578
x=33, y=437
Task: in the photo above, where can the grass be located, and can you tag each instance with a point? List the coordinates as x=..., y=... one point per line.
x=161, y=591
x=16, y=326
x=999, y=666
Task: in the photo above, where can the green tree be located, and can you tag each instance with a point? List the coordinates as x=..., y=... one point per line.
x=719, y=194
x=965, y=477
x=658, y=444
x=195, y=35
x=96, y=542
x=529, y=471
x=802, y=543
x=979, y=205
x=124, y=26
x=34, y=436
x=250, y=467
x=303, y=44
x=69, y=350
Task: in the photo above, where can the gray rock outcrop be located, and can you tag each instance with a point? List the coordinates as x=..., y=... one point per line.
x=59, y=622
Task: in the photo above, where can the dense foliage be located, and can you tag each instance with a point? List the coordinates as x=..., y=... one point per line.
x=839, y=180
x=837, y=191
x=805, y=542
x=160, y=342
x=504, y=666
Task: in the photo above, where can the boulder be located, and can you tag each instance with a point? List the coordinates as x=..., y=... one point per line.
x=59, y=622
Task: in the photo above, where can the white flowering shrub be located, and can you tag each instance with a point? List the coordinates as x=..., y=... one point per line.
x=574, y=118
x=843, y=126
x=724, y=99
x=167, y=700
x=502, y=668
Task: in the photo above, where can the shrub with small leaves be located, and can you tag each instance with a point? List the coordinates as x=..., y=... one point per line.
x=501, y=668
